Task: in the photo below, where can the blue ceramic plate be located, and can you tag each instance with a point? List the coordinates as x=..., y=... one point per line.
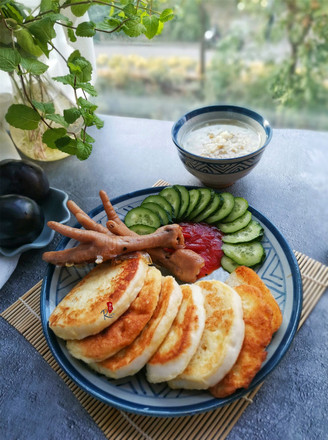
x=280, y=272
x=54, y=208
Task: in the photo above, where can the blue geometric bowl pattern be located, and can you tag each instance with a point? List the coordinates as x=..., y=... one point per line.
x=223, y=168
x=279, y=272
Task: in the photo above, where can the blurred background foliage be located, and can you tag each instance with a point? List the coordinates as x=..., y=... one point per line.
x=269, y=55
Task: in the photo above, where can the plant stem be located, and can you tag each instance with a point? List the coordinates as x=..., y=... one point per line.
x=96, y=29
x=28, y=97
x=91, y=2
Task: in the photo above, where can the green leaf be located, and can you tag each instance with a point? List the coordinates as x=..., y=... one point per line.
x=44, y=107
x=51, y=135
x=71, y=114
x=43, y=30
x=67, y=145
x=56, y=16
x=59, y=119
x=88, y=119
x=108, y=25
x=160, y=27
x=83, y=150
x=15, y=11
x=79, y=66
x=166, y=15
x=22, y=116
x=151, y=24
x=87, y=137
x=31, y=65
x=9, y=59
x=88, y=88
x=71, y=35
x=130, y=10
x=79, y=10
x=87, y=105
x=86, y=29
x=98, y=122
x=27, y=42
x=66, y=79
x=49, y=5
x=133, y=28
x=5, y=34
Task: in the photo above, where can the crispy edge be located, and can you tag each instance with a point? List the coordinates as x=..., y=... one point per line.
x=124, y=331
x=249, y=276
x=258, y=334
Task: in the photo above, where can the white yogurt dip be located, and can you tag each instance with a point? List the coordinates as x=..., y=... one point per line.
x=222, y=139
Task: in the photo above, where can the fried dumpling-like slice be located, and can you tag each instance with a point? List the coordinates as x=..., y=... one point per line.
x=258, y=334
x=124, y=331
x=246, y=275
x=221, y=341
x=80, y=313
x=132, y=358
x=183, y=339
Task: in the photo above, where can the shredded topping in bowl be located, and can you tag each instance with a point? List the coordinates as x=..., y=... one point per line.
x=222, y=141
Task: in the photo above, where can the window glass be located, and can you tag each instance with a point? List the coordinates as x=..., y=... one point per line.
x=269, y=55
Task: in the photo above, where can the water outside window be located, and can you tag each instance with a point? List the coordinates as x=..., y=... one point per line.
x=269, y=55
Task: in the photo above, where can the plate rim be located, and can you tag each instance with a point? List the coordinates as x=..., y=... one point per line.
x=162, y=411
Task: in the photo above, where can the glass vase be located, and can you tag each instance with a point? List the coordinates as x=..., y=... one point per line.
x=42, y=89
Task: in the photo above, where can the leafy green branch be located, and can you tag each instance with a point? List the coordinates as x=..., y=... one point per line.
x=27, y=41
x=302, y=24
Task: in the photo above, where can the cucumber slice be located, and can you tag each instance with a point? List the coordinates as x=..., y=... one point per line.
x=173, y=197
x=246, y=254
x=184, y=196
x=160, y=201
x=142, y=229
x=212, y=207
x=142, y=216
x=253, y=231
x=224, y=210
x=239, y=208
x=228, y=264
x=194, y=196
x=206, y=196
x=162, y=214
x=239, y=223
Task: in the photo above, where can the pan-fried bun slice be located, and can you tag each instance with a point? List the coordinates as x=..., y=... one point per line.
x=80, y=313
x=183, y=339
x=98, y=347
x=258, y=334
x=132, y=358
x=245, y=275
x=221, y=341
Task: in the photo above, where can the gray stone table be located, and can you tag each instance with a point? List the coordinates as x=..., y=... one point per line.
x=289, y=186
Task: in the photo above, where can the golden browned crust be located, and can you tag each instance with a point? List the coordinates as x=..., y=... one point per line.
x=183, y=330
x=81, y=312
x=123, y=332
x=96, y=302
x=257, y=316
x=247, y=276
x=124, y=357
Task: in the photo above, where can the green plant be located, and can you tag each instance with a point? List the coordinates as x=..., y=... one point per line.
x=299, y=78
x=27, y=42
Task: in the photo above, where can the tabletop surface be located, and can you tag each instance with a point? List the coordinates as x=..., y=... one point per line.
x=289, y=186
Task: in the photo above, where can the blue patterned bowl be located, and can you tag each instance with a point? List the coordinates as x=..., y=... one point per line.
x=220, y=173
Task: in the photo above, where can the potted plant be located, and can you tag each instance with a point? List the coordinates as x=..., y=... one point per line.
x=46, y=122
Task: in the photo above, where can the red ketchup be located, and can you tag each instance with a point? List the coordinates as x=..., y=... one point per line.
x=206, y=241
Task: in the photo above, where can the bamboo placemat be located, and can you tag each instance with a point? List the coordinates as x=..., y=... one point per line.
x=118, y=425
